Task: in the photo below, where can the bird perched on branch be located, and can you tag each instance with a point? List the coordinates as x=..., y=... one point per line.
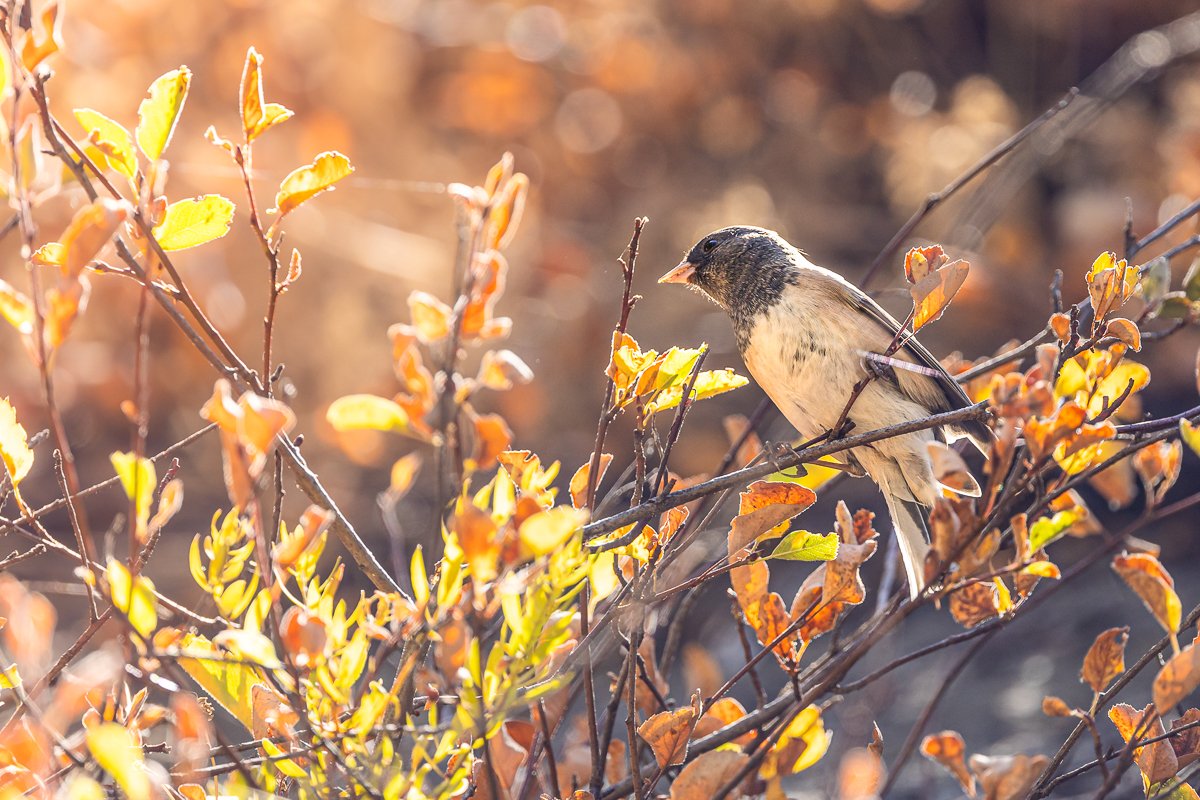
x=809, y=338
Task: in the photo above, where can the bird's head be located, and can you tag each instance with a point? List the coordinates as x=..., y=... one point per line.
x=733, y=264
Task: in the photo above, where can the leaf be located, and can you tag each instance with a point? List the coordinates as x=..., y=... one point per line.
x=667, y=733
x=579, y=481
x=111, y=139
x=227, y=682
x=705, y=775
x=16, y=308
x=159, y=112
x=708, y=384
x=188, y=223
x=1153, y=584
x=1043, y=569
x=285, y=765
x=139, y=481
x=305, y=182
x=975, y=603
x=1007, y=777
x=921, y=261
x=950, y=471
x=948, y=750
x=802, y=744
x=258, y=116
x=546, y=531
x=1156, y=280
x=764, y=509
x=14, y=444
x=1157, y=760
x=1178, y=678
x=36, y=49
x=805, y=546
x=117, y=751
x=1055, y=707
x=1045, y=530
x=502, y=369
x=431, y=317
x=88, y=232
x=366, y=412
x=1190, y=434
x=1126, y=331
x=133, y=597
x=1105, y=659
x=933, y=293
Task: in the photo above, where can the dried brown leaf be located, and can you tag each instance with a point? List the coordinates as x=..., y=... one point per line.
x=1105, y=659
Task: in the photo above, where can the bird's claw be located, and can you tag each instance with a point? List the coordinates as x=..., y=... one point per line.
x=774, y=451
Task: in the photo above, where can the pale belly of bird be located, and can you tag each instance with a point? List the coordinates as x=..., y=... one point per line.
x=809, y=371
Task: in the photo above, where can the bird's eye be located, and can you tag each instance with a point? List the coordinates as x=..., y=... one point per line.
x=709, y=245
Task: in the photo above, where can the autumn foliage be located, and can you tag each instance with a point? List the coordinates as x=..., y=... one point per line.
x=531, y=651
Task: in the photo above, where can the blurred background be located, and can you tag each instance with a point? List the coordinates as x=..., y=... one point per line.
x=829, y=120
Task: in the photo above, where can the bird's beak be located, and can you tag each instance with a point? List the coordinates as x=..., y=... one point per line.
x=681, y=274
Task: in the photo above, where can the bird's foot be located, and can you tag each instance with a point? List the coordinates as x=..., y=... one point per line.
x=774, y=451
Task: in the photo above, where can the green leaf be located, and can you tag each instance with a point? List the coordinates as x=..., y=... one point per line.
x=301, y=184
x=1156, y=280
x=159, y=112
x=805, y=546
x=1175, y=305
x=111, y=139
x=188, y=223
x=1046, y=529
x=116, y=750
x=366, y=412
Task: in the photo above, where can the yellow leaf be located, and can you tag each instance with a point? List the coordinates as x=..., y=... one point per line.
x=366, y=412
x=159, y=112
x=1189, y=433
x=1154, y=585
x=89, y=230
x=14, y=444
x=111, y=139
x=806, y=546
x=801, y=745
x=934, y=292
x=545, y=531
x=1042, y=569
x=16, y=309
x=284, y=765
x=258, y=116
x=707, y=385
x=133, y=597
x=51, y=254
x=139, y=480
x=326, y=169
x=188, y=223
x=228, y=683
x=115, y=748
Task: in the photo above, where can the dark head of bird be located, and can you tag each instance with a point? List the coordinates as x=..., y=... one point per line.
x=742, y=269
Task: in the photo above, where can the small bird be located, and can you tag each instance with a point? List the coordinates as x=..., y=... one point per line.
x=806, y=335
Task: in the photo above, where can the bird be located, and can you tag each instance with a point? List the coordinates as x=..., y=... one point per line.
x=807, y=335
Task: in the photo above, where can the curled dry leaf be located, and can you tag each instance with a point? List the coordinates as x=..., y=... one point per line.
x=1055, y=707
x=1125, y=331
x=1178, y=678
x=1105, y=659
x=1154, y=585
x=950, y=471
x=1156, y=760
x=668, y=732
x=975, y=603
x=706, y=774
x=579, y=481
x=1158, y=466
x=1186, y=743
x=764, y=510
x=860, y=775
x=948, y=750
x=1007, y=777
x=933, y=292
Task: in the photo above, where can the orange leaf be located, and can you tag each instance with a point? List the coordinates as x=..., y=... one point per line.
x=1055, y=707
x=579, y=481
x=974, y=603
x=948, y=749
x=1125, y=330
x=1151, y=582
x=1105, y=659
x=921, y=261
x=1007, y=777
x=934, y=292
x=704, y=776
x=1157, y=761
x=667, y=733
x=720, y=714
x=1177, y=679
x=431, y=317
x=765, y=509
x=860, y=775
x=89, y=230
x=492, y=437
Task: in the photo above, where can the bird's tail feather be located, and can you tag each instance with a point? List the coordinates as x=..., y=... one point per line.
x=912, y=533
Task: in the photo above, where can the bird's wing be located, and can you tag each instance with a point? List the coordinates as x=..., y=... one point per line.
x=952, y=393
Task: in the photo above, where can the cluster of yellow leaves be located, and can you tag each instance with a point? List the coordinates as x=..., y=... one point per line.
x=656, y=381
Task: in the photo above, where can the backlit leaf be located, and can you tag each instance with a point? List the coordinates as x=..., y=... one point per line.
x=111, y=139
x=934, y=292
x=139, y=481
x=948, y=750
x=708, y=384
x=1147, y=577
x=159, y=112
x=1157, y=760
x=14, y=444
x=1177, y=679
x=301, y=184
x=1190, y=434
x=258, y=116
x=805, y=546
x=667, y=733
x=1105, y=659
x=763, y=508
x=546, y=531
x=707, y=773
x=579, y=481
x=16, y=308
x=366, y=412
x=117, y=751
x=89, y=230
x=431, y=317
x=188, y=223
x=38, y=45
x=802, y=744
